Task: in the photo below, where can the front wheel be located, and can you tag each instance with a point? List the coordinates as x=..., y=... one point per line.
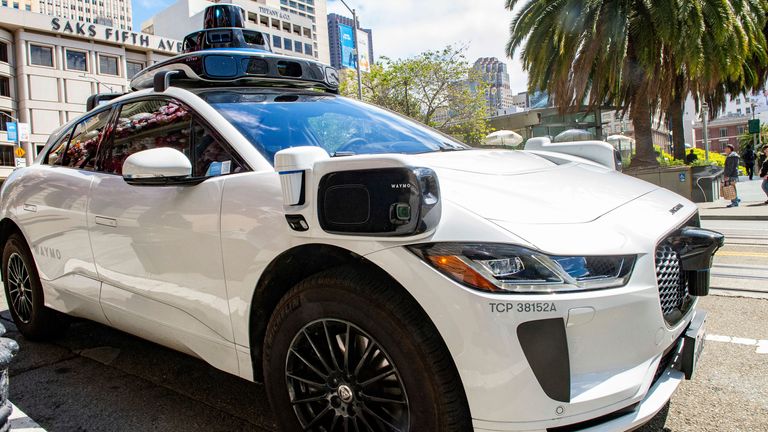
x=24, y=294
x=347, y=352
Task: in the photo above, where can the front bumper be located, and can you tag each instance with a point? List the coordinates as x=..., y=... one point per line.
x=615, y=340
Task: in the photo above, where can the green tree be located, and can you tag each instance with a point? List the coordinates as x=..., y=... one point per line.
x=431, y=88
x=640, y=55
x=717, y=47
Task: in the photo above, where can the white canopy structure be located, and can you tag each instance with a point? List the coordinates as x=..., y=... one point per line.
x=503, y=138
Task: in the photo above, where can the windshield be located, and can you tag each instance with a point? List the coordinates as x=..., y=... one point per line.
x=276, y=120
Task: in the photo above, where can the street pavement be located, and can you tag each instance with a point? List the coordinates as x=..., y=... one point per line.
x=99, y=379
x=752, y=207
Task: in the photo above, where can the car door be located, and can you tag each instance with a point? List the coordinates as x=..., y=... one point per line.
x=53, y=205
x=157, y=248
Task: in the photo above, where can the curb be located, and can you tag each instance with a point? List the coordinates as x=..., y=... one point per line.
x=20, y=422
x=736, y=217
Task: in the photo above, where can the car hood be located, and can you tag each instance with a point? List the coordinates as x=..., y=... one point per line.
x=516, y=186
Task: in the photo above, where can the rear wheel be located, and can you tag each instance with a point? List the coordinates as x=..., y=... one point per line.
x=344, y=352
x=24, y=294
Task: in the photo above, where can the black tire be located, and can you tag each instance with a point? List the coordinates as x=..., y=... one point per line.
x=424, y=376
x=24, y=294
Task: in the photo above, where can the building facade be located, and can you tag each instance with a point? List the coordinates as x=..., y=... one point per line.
x=111, y=13
x=722, y=131
x=49, y=66
x=495, y=74
x=289, y=33
x=316, y=11
x=336, y=24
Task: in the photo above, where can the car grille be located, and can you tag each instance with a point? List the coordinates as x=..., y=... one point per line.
x=672, y=285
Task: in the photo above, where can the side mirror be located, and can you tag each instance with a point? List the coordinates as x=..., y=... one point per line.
x=157, y=167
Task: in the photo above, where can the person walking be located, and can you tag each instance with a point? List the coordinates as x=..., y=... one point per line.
x=749, y=161
x=731, y=173
x=762, y=157
x=764, y=170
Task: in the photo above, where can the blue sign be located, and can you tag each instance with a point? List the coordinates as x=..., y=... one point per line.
x=12, y=132
x=347, y=41
x=682, y=177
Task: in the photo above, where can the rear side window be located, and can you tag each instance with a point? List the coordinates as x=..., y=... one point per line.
x=145, y=125
x=81, y=152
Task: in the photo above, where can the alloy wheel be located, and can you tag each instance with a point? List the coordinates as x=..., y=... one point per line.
x=340, y=379
x=19, y=288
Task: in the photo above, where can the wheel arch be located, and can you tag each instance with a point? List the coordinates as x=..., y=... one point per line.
x=7, y=228
x=293, y=266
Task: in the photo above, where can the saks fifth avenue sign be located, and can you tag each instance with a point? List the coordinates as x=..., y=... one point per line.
x=110, y=34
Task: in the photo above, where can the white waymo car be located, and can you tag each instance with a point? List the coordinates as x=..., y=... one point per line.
x=378, y=275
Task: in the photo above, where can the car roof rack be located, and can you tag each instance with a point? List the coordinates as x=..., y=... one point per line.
x=99, y=99
x=238, y=67
x=227, y=54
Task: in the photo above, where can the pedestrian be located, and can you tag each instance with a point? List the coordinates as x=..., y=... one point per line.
x=731, y=173
x=691, y=158
x=749, y=161
x=761, y=158
x=764, y=170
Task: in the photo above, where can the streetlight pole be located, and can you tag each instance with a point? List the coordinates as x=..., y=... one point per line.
x=755, y=137
x=9, y=116
x=705, y=117
x=97, y=81
x=357, y=51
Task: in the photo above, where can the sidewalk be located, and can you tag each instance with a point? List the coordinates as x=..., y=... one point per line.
x=752, y=206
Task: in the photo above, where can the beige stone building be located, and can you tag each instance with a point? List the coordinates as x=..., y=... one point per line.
x=50, y=65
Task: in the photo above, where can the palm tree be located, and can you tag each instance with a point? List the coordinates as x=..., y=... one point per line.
x=716, y=47
x=729, y=57
x=640, y=55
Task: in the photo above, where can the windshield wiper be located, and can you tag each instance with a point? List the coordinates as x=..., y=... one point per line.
x=343, y=153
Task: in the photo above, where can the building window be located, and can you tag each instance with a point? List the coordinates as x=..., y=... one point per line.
x=5, y=87
x=297, y=46
x=4, y=120
x=41, y=55
x=108, y=65
x=132, y=68
x=308, y=49
x=77, y=60
x=738, y=101
x=738, y=111
x=264, y=20
x=288, y=44
x=277, y=41
x=741, y=130
x=7, y=157
x=723, y=132
x=749, y=110
x=3, y=52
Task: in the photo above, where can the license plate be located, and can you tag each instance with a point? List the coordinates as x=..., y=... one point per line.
x=693, y=343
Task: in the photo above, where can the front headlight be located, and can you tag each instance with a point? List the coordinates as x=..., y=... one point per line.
x=503, y=268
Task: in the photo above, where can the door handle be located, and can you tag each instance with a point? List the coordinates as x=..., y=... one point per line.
x=30, y=208
x=105, y=221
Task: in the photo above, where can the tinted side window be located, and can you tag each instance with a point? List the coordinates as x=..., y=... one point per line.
x=58, y=150
x=81, y=152
x=144, y=125
x=211, y=157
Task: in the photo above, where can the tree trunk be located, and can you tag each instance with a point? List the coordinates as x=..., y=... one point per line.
x=641, y=121
x=676, y=108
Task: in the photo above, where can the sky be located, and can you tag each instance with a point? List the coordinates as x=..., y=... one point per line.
x=404, y=28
